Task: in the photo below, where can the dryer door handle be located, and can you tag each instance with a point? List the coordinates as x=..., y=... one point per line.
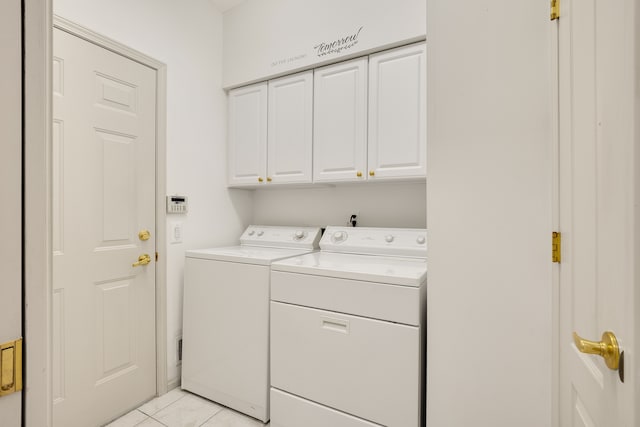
x=335, y=325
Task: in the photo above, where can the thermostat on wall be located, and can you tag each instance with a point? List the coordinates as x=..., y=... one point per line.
x=177, y=204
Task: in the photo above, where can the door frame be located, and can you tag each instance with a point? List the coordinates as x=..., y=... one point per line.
x=38, y=200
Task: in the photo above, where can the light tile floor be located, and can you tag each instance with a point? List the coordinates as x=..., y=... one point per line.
x=179, y=408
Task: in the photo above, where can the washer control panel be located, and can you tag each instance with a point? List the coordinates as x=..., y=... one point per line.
x=281, y=237
x=407, y=242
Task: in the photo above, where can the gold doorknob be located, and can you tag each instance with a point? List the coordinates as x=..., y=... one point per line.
x=607, y=348
x=269, y=179
x=358, y=174
x=144, y=235
x=260, y=179
x=371, y=173
x=143, y=259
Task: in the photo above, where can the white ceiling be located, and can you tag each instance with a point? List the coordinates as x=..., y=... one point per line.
x=224, y=5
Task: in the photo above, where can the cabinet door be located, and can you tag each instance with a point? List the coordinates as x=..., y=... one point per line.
x=340, y=122
x=247, y=150
x=290, y=129
x=397, y=113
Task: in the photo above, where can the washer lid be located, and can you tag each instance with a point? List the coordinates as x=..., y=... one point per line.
x=246, y=254
x=371, y=268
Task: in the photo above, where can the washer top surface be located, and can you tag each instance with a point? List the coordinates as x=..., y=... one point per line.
x=264, y=245
x=246, y=254
x=384, y=255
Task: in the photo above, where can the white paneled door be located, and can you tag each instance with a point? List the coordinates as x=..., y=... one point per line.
x=11, y=195
x=104, y=142
x=599, y=219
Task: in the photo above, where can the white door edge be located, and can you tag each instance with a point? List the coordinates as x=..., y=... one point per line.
x=38, y=176
x=555, y=224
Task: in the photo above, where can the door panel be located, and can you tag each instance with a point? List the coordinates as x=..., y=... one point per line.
x=397, y=113
x=10, y=193
x=247, y=135
x=337, y=359
x=340, y=122
x=290, y=129
x=597, y=214
x=292, y=411
x=104, y=194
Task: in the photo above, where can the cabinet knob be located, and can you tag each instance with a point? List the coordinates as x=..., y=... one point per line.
x=358, y=174
x=269, y=179
x=371, y=173
x=260, y=179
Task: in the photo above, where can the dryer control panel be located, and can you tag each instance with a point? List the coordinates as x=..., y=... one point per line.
x=406, y=242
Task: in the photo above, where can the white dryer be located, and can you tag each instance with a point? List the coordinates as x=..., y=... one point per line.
x=225, y=351
x=348, y=329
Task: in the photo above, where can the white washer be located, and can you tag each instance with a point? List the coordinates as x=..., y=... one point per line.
x=225, y=351
x=348, y=328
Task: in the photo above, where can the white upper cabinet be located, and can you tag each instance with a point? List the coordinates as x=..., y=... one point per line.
x=290, y=132
x=247, y=127
x=359, y=120
x=397, y=113
x=340, y=122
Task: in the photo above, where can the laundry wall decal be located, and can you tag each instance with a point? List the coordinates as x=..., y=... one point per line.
x=338, y=45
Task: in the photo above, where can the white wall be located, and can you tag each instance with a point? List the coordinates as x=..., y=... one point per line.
x=259, y=33
x=187, y=36
x=377, y=205
x=264, y=38
x=489, y=353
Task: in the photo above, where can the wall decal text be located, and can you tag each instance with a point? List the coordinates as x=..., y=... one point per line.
x=338, y=45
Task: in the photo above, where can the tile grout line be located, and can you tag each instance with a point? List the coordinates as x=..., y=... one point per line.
x=158, y=421
x=163, y=408
x=222, y=408
x=146, y=419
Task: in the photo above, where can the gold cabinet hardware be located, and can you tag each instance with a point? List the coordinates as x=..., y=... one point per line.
x=555, y=9
x=358, y=174
x=143, y=259
x=371, y=173
x=10, y=367
x=607, y=348
x=556, y=246
x=269, y=179
x=260, y=179
x=144, y=235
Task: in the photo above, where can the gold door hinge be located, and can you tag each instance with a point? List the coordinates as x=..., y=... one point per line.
x=156, y=256
x=556, y=246
x=555, y=9
x=10, y=367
